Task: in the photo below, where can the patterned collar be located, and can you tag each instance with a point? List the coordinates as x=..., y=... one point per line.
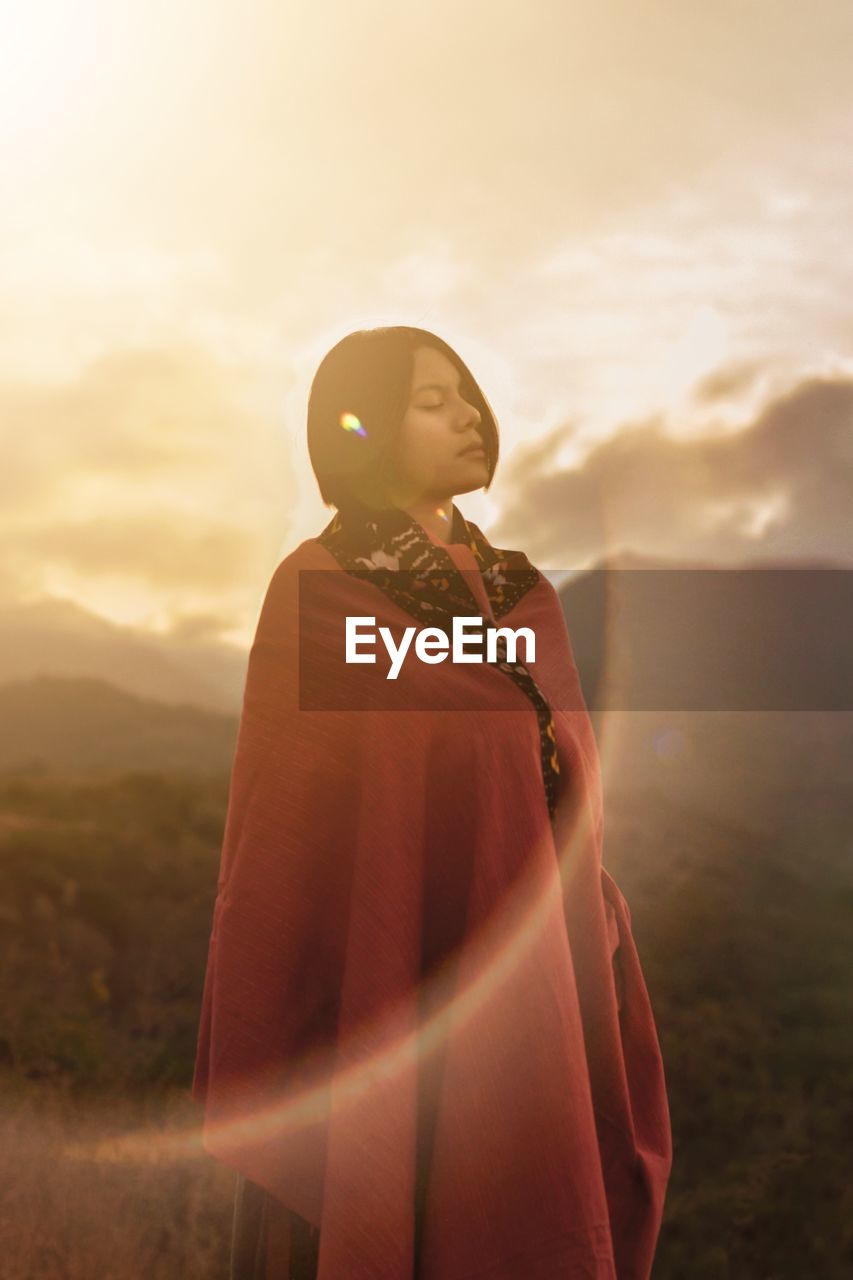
x=394, y=552
x=390, y=540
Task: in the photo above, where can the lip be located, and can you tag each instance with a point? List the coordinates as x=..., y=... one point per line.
x=473, y=449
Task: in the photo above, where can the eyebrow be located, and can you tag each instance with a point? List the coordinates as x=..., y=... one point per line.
x=435, y=386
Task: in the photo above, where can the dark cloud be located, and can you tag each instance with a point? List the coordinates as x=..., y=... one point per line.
x=726, y=383
x=534, y=456
x=781, y=487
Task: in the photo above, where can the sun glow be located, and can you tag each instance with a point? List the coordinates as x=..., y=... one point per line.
x=49, y=52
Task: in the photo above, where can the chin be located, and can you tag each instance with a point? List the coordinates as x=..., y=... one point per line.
x=468, y=488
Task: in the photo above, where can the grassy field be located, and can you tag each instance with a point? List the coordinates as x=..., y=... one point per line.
x=743, y=926
x=79, y=1202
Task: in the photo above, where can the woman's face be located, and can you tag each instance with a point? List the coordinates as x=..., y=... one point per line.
x=439, y=423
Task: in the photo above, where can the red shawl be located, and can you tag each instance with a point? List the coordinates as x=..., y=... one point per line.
x=407, y=952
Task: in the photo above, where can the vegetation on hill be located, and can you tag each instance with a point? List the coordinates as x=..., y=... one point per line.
x=105, y=910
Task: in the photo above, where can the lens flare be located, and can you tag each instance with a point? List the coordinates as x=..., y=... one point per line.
x=388, y=1049
x=350, y=422
x=668, y=742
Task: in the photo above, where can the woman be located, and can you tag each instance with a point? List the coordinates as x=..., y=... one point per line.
x=426, y=1045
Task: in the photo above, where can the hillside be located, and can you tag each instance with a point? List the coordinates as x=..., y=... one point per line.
x=107, y=891
x=90, y=725
x=58, y=637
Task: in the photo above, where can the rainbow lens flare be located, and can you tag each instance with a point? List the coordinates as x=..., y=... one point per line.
x=440, y=511
x=350, y=422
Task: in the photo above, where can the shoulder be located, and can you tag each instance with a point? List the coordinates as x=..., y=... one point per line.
x=282, y=594
x=310, y=554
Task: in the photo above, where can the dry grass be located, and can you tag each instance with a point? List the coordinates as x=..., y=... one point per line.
x=108, y=1190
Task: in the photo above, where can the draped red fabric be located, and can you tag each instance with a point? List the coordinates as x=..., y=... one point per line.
x=407, y=955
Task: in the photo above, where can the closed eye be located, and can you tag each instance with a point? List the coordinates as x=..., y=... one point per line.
x=464, y=392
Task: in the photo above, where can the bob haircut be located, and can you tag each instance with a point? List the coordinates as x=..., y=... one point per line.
x=368, y=374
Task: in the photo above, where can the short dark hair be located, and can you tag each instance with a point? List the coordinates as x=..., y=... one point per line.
x=369, y=374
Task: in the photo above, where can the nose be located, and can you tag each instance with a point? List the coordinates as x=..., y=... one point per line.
x=473, y=418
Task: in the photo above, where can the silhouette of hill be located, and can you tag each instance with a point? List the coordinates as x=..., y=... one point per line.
x=89, y=725
x=60, y=638
x=634, y=645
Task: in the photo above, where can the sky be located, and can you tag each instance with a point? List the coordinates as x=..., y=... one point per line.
x=632, y=221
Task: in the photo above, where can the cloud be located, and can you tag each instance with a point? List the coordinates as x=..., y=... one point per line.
x=200, y=628
x=165, y=549
x=782, y=486
x=162, y=465
x=728, y=382
x=129, y=415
